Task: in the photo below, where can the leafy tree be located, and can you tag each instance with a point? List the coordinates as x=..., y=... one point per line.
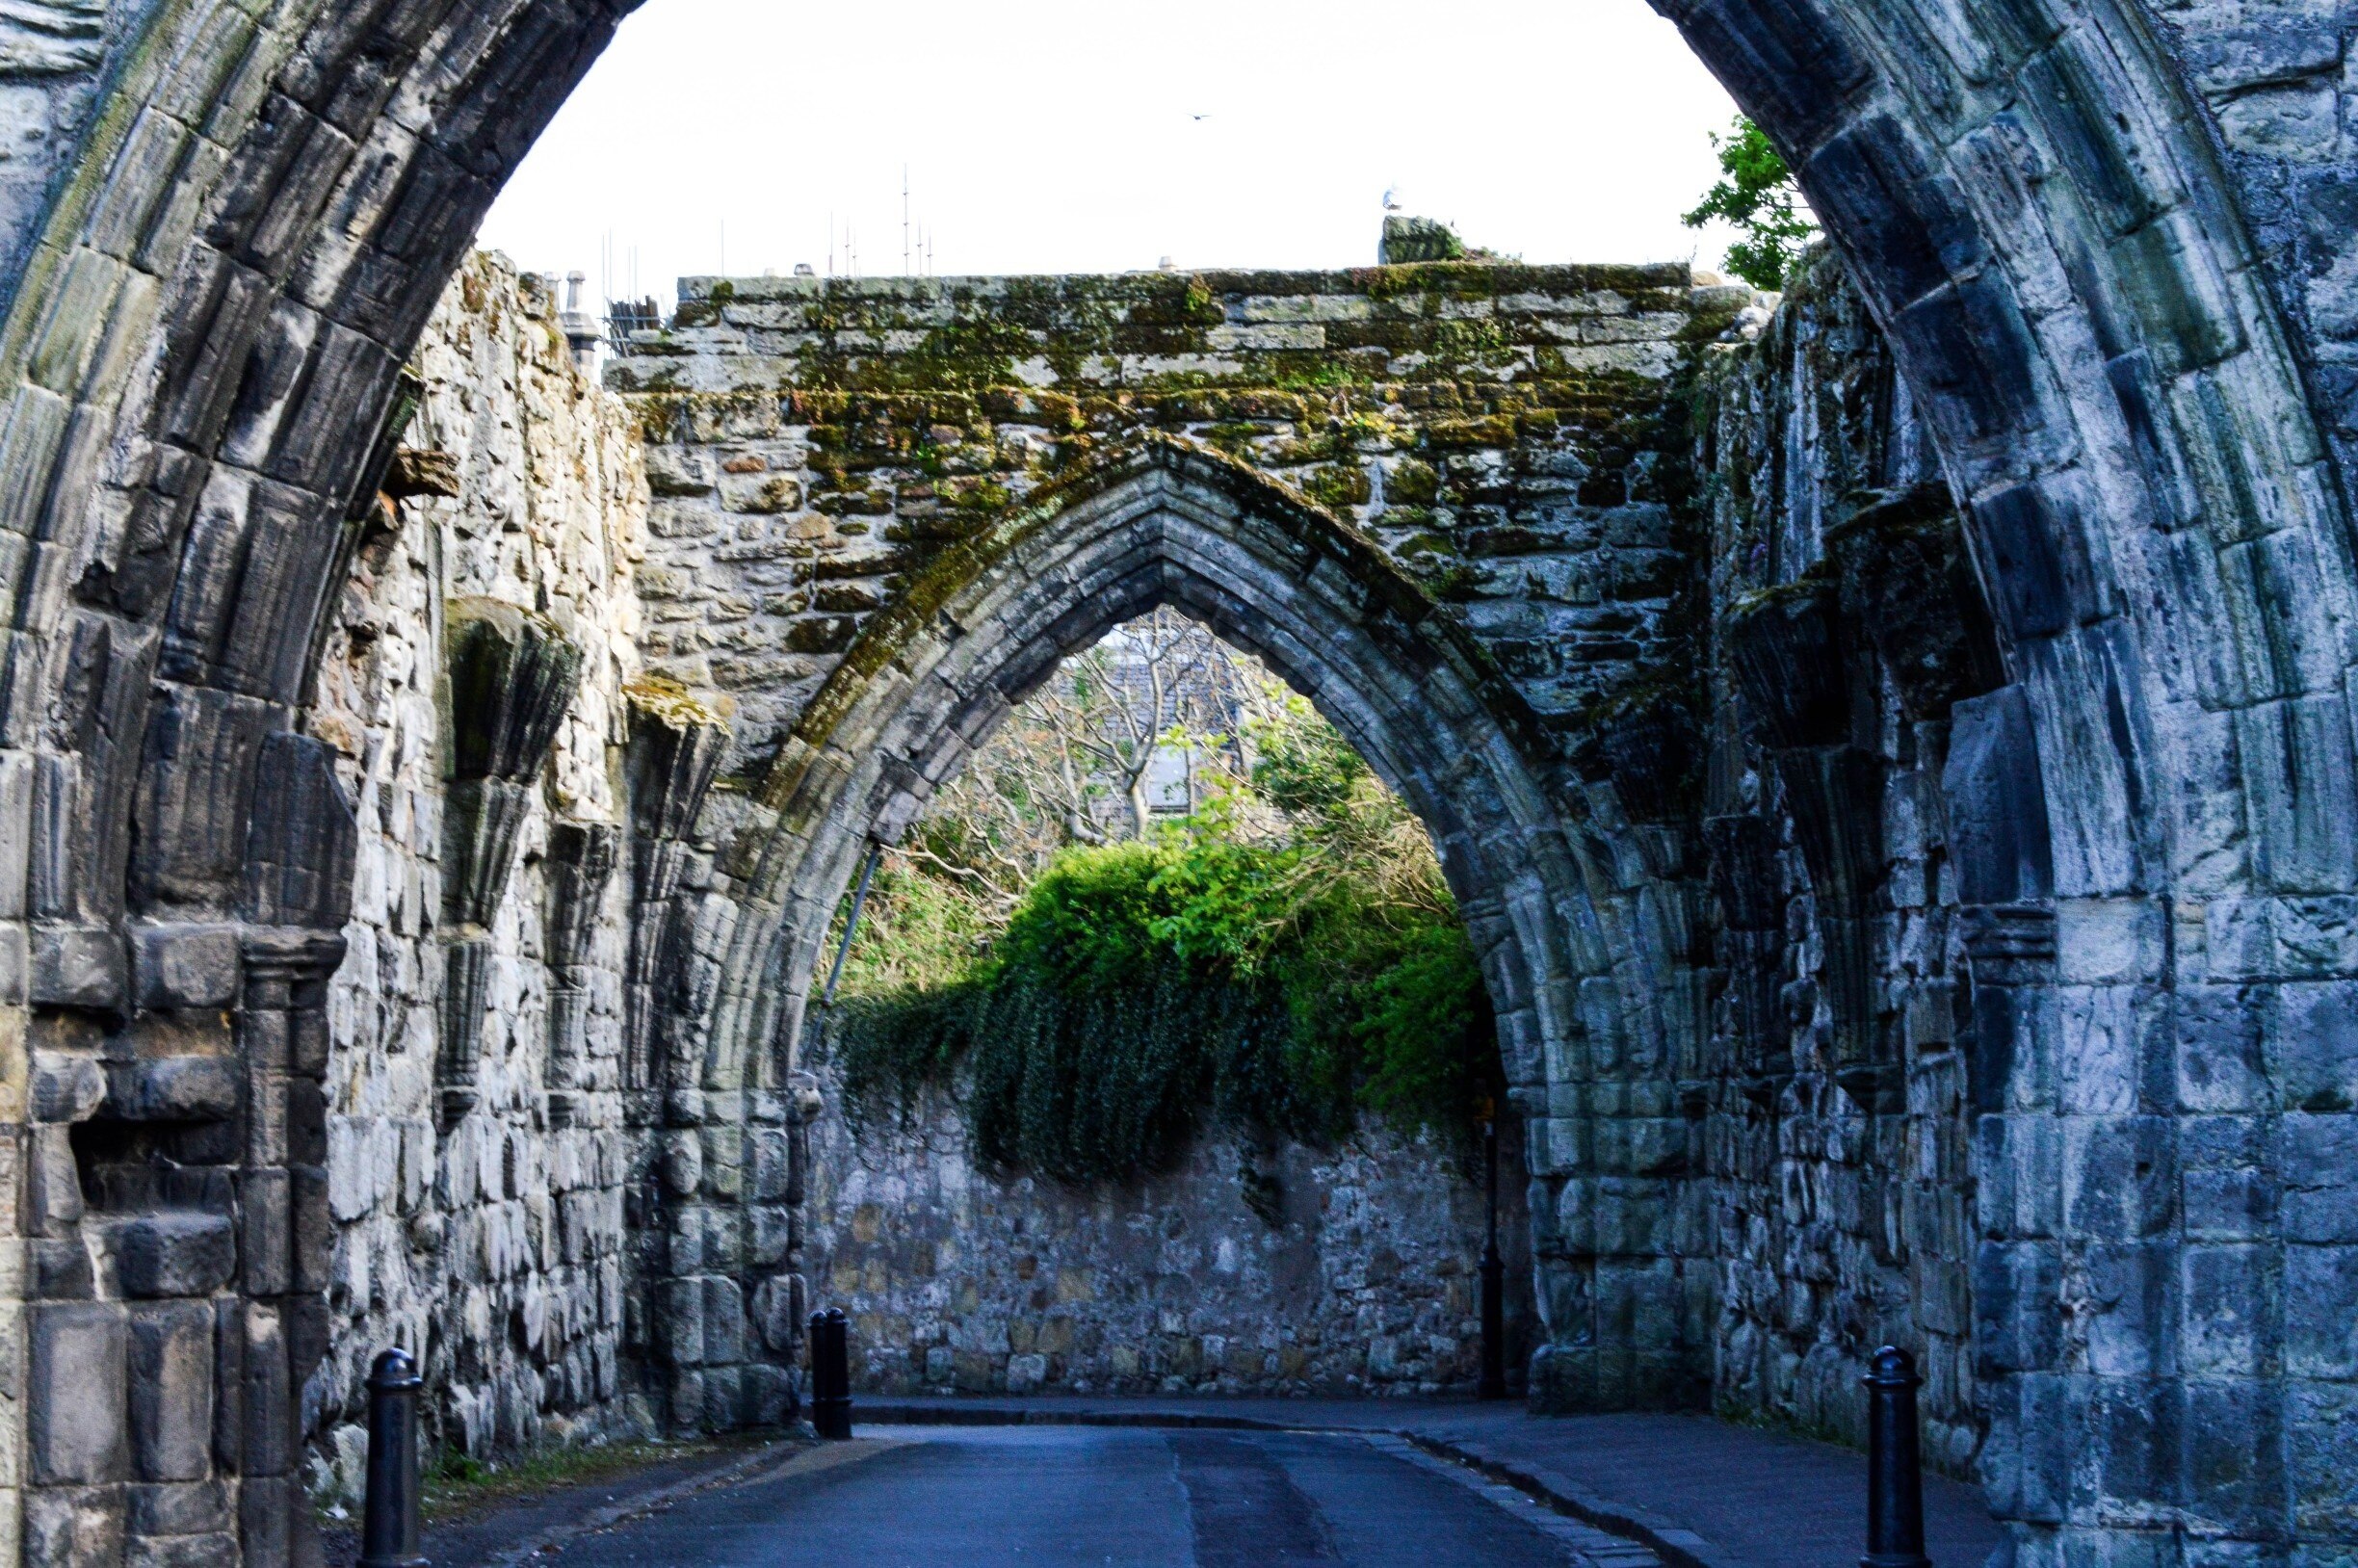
x=1759, y=196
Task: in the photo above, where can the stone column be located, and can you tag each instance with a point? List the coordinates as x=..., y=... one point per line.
x=582, y=860
x=513, y=676
x=270, y=1341
x=677, y=746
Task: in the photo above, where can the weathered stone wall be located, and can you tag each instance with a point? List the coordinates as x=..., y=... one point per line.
x=1496, y=428
x=489, y=1244
x=1843, y=625
x=1498, y=450
x=1250, y=1269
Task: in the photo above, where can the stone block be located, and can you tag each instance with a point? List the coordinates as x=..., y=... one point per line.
x=2321, y=1455
x=687, y=1402
x=267, y=1438
x=2317, y=1163
x=679, y=1321
x=176, y=1089
x=723, y=1323
x=265, y=1232
x=171, y=1392
x=2221, y=1064
x=2130, y=1300
x=300, y=854
x=52, y=1192
x=65, y=1088
x=186, y=966
x=61, y=1269
x=2320, y=1309
x=724, y=1158
x=2227, y=1190
x=2104, y=942
x=2311, y=1031
x=174, y=1253
x=2130, y=1435
x=2018, y=1319
x=201, y=1508
x=76, y=967
x=768, y=1396
x=228, y=1386
x=683, y=1163
x=76, y=1429
x=2234, y=1310
x=314, y=1231
x=266, y=1519
x=2233, y=1458
x=2297, y=765
x=208, y=1550
x=73, y=1527
x=2120, y=1176
x=2019, y=1160
x=1027, y=1374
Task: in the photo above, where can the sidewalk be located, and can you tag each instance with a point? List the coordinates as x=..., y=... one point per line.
x=1701, y=1492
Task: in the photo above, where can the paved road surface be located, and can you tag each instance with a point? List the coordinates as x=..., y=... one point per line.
x=1037, y=1496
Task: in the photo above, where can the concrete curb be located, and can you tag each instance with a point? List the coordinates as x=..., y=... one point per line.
x=1673, y=1542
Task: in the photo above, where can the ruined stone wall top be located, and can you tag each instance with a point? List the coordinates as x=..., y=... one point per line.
x=1166, y=331
x=1502, y=431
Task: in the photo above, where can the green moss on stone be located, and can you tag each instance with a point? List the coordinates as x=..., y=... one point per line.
x=1413, y=483
x=1338, y=487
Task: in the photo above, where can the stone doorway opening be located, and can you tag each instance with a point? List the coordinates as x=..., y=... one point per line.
x=1160, y=1061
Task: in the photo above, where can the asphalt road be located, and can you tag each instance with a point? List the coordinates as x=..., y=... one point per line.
x=985, y=1496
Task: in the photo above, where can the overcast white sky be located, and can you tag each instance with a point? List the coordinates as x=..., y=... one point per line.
x=1063, y=134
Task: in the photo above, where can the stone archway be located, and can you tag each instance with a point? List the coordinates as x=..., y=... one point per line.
x=2124, y=344
x=1167, y=524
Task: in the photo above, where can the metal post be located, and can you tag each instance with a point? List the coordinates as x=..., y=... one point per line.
x=832, y=1375
x=389, y=1522
x=1894, y=1465
x=1493, y=1274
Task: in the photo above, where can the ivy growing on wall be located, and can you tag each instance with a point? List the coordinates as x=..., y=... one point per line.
x=1285, y=957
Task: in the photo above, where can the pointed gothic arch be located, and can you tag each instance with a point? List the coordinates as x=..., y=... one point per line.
x=2131, y=395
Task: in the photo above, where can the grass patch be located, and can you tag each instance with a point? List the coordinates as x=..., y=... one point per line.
x=456, y=1484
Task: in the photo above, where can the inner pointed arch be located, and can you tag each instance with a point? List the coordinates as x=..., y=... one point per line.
x=1167, y=525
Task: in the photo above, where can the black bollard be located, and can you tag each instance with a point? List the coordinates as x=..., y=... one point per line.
x=1894, y=1465
x=832, y=1375
x=389, y=1524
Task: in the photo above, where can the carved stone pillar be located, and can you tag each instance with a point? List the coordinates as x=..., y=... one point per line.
x=268, y=1342
x=582, y=858
x=677, y=746
x=511, y=678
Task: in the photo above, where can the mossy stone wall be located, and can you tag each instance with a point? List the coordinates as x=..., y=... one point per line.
x=1506, y=434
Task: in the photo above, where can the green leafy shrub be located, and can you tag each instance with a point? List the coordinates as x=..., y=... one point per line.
x=1285, y=978
x=1759, y=196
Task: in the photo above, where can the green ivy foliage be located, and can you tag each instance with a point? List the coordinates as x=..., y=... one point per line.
x=1283, y=980
x=1759, y=196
